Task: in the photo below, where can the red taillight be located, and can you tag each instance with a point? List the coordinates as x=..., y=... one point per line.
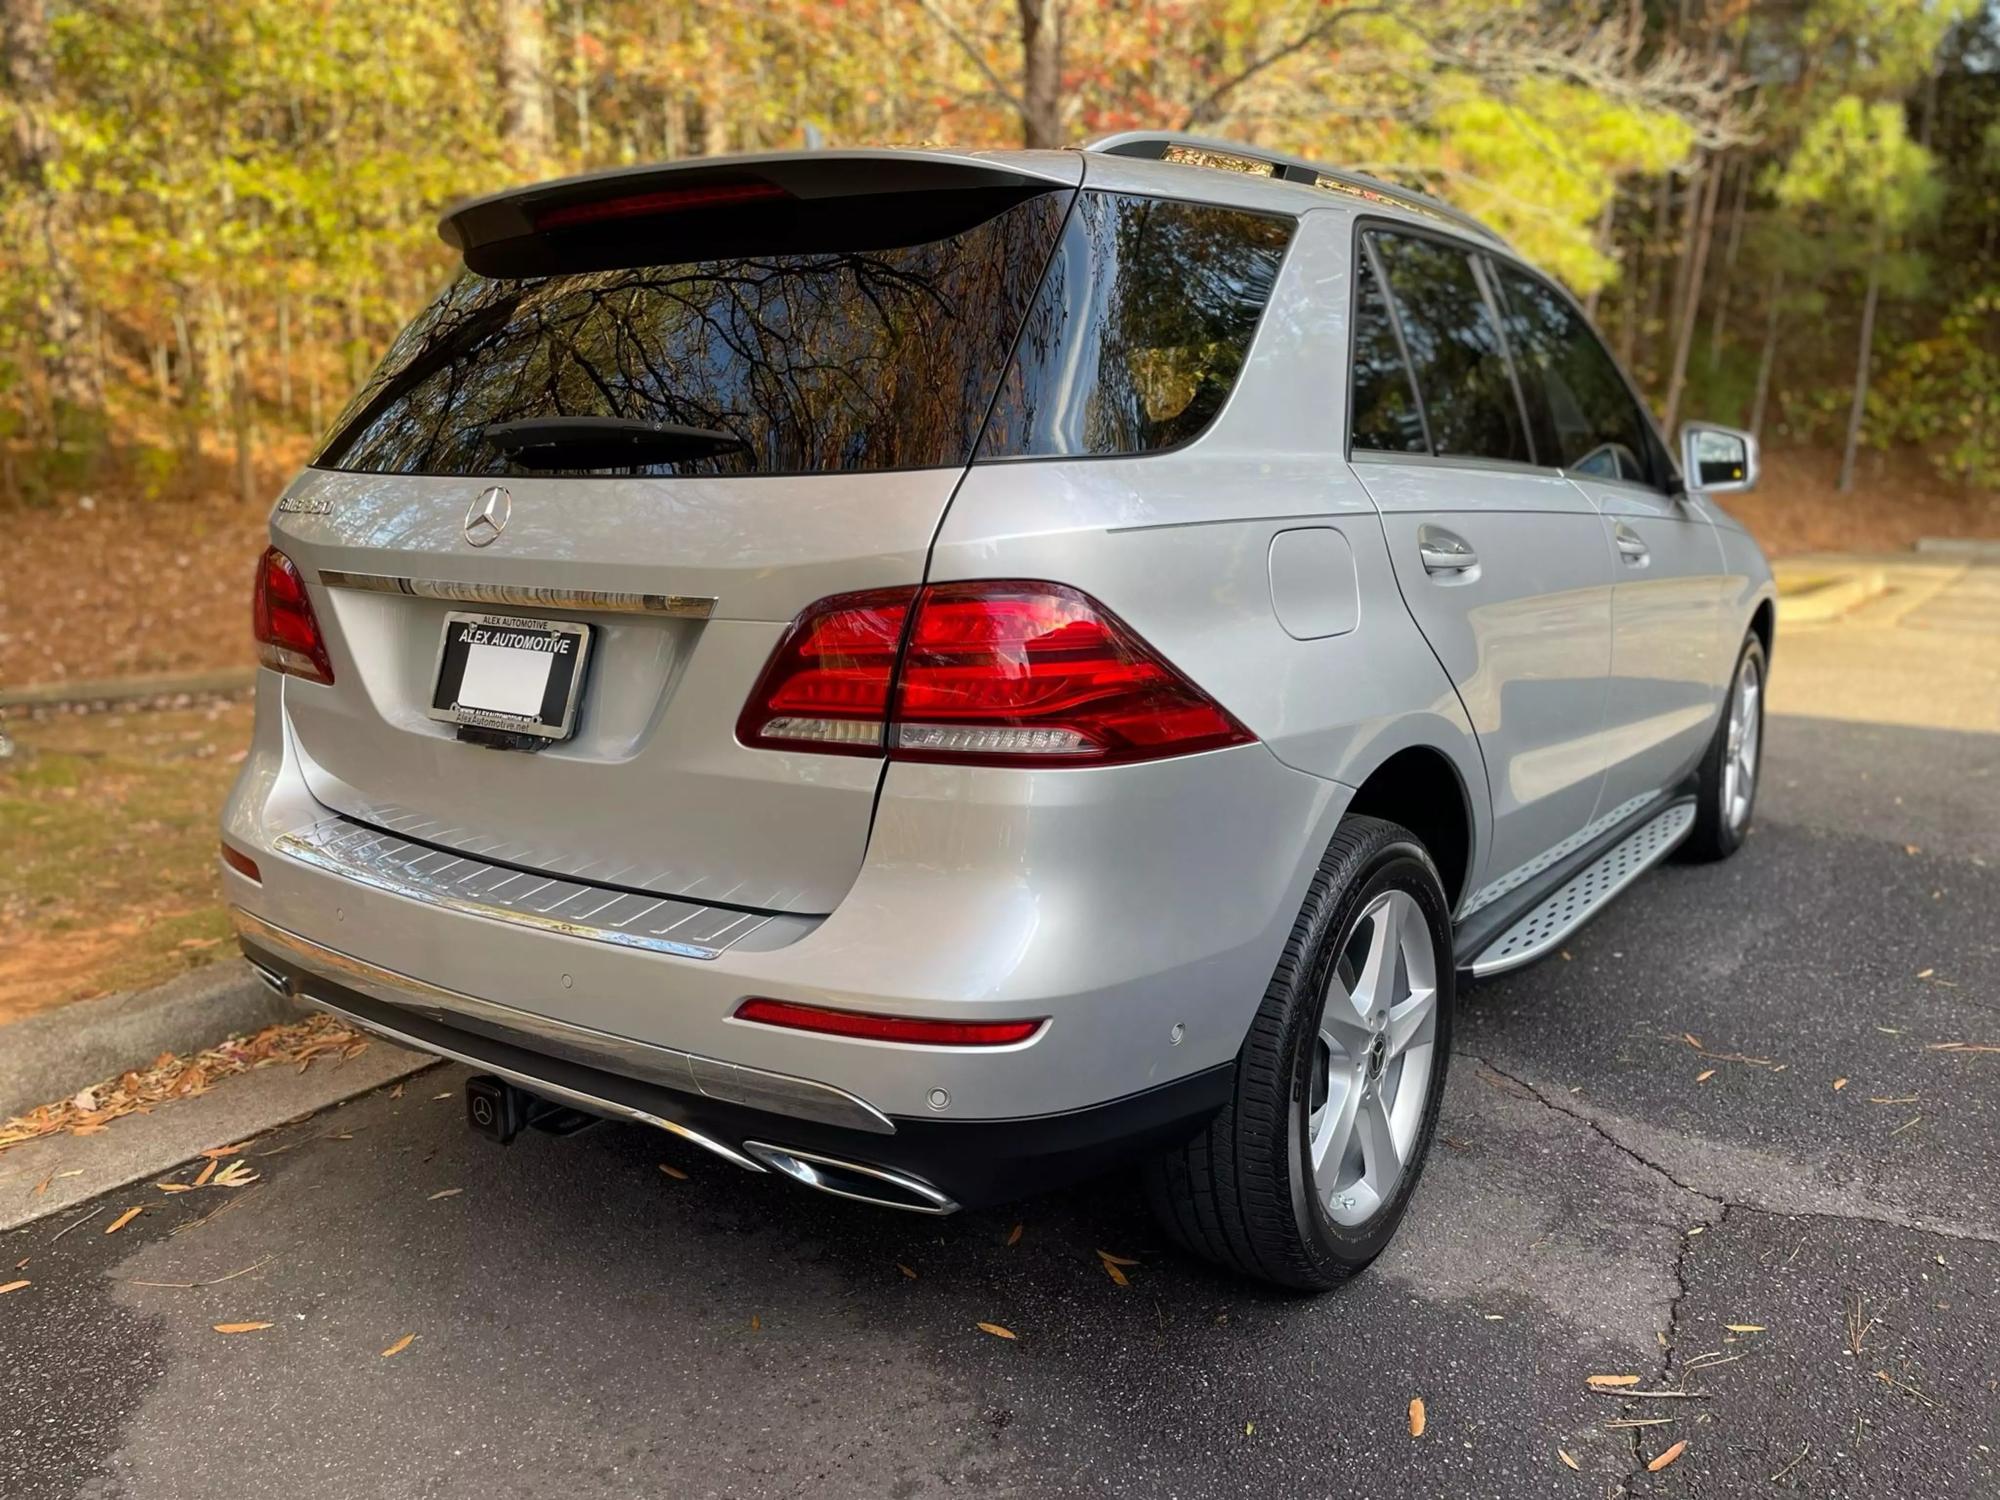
x=992, y=673
x=282, y=618
x=667, y=201
x=874, y=1028
x=241, y=863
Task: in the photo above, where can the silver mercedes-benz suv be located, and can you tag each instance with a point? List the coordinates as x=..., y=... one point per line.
x=933, y=673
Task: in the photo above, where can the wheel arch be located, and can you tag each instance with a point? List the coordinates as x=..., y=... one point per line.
x=1764, y=621
x=1420, y=787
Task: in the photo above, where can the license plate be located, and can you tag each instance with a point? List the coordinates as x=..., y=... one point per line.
x=501, y=672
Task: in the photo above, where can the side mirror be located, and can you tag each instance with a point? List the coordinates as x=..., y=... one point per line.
x=1717, y=460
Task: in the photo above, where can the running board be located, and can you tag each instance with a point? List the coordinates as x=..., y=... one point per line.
x=1585, y=893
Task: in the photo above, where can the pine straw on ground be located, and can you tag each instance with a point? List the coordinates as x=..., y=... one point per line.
x=139, y=1090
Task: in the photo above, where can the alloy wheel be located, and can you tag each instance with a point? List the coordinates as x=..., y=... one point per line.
x=1373, y=1053
x=1739, y=755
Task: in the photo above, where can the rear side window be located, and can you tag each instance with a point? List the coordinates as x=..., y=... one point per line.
x=822, y=361
x=1585, y=418
x=1142, y=325
x=1455, y=349
x=1386, y=417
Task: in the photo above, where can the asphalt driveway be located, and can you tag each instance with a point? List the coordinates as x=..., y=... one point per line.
x=1738, y=1142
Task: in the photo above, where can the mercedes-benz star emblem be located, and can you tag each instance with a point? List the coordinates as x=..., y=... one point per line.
x=487, y=517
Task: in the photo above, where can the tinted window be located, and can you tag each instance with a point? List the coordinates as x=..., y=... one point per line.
x=1142, y=324
x=1386, y=415
x=1585, y=417
x=815, y=361
x=1460, y=366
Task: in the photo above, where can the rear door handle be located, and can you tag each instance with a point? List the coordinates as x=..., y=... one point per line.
x=1630, y=545
x=1444, y=551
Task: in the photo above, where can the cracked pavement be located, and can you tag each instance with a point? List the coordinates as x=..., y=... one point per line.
x=588, y=1325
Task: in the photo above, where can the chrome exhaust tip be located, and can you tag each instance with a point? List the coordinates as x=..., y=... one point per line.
x=273, y=980
x=849, y=1179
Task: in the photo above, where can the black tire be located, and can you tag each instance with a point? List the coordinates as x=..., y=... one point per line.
x=1238, y=1193
x=1715, y=835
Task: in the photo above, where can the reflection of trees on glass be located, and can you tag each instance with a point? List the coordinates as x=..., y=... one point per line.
x=1454, y=348
x=1386, y=416
x=1141, y=327
x=1585, y=417
x=818, y=361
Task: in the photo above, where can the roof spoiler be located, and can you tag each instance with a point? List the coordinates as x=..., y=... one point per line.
x=739, y=205
x=1205, y=151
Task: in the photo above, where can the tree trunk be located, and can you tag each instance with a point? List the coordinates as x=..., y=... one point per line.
x=285, y=356
x=523, y=77
x=1691, y=297
x=29, y=75
x=1719, y=322
x=1768, y=355
x=1041, y=73
x=1854, y=412
x=581, y=88
x=1607, y=222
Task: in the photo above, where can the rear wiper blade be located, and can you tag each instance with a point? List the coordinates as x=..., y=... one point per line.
x=604, y=442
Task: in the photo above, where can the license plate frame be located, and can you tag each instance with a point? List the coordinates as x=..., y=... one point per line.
x=553, y=717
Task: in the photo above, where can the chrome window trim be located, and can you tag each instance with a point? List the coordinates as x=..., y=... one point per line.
x=684, y=1072
x=609, y=601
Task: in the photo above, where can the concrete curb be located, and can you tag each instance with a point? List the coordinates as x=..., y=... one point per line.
x=1829, y=600
x=51, y=1056
x=110, y=690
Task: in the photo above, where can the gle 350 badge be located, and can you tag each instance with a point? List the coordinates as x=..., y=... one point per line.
x=304, y=505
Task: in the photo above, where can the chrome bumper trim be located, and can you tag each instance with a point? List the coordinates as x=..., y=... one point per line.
x=552, y=903
x=673, y=606
x=538, y=1086
x=685, y=1072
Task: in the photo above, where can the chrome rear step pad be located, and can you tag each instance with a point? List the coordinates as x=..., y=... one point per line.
x=1584, y=894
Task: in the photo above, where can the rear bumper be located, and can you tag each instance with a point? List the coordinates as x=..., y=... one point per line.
x=961, y=1163
x=1141, y=909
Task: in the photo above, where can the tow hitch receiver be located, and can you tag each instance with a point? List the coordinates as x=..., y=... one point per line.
x=500, y=1111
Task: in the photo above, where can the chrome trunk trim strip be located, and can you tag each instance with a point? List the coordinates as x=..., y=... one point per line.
x=685, y=1072
x=673, y=606
x=551, y=903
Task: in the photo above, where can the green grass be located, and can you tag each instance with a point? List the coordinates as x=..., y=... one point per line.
x=107, y=850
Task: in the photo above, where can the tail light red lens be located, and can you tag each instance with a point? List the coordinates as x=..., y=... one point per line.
x=288, y=634
x=991, y=673
x=917, y=1030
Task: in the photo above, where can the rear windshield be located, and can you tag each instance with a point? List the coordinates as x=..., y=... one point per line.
x=842, y=362
x=817, y=362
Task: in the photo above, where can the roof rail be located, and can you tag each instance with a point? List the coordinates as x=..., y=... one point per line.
x=1198, y=150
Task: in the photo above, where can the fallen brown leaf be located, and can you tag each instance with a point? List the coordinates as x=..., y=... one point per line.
x=1416, y=1416
x=174, y=1187
x=239, y=1327
x=997, y=1331
x=1610, y=1382
x=1014, y=1238
x=907, y=1272
x=1744, y=1327
x=236, y=1174
x=1839, y=1084
x=444, y=1193
x=15, y=1286
x=1692, y=1040
x=1115, y=1260
x=1111, y=1270
x=208, y=1171
x=43, y=1186
x=674, y=1172
x=1667, y=1457
x=122, y=1220
x=399, y=1346
x=1704, y=1075
x=755, y=1323
x=1568, y=1462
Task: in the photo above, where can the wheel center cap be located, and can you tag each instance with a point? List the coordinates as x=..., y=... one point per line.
x=1378, y=1056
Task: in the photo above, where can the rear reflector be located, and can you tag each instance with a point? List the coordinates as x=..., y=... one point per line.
x=913, y=1029
x=987, y=673
x=241, y=863
x=281, y=616
x=668, y=201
